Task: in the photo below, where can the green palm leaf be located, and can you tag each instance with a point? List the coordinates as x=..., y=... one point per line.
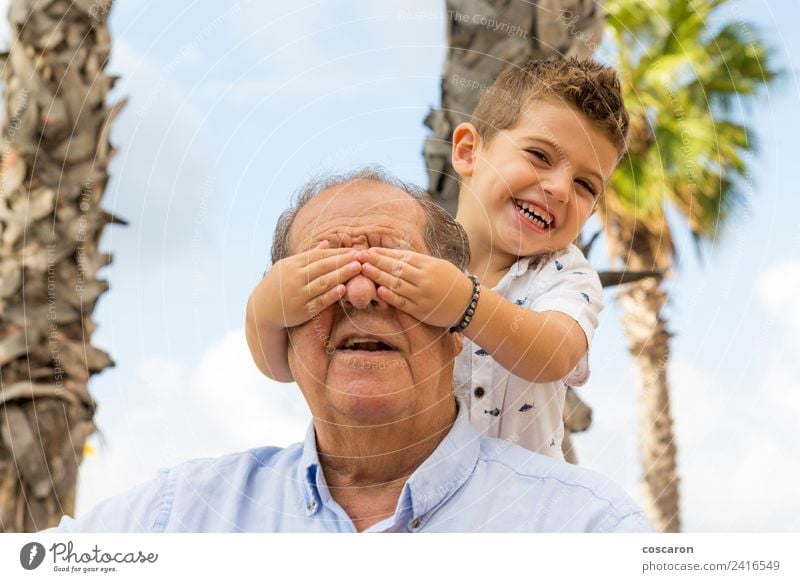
x=687, y=146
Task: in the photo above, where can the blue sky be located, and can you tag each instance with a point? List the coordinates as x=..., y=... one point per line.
x=230, y=110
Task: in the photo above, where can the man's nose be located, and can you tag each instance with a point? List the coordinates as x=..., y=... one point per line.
x=361, y=293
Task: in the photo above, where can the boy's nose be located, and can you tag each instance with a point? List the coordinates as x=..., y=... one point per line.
x=559, y=187
x=361, y=292
x=558, y=192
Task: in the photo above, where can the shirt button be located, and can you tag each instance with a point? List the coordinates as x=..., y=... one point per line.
x=479, y=392
x=415, y=523
x=312, y=506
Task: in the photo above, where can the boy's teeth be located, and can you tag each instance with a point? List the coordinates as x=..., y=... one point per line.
x=526, y=210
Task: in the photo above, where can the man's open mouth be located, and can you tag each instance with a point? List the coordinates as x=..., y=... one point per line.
x=540, y=218
x=366, y=344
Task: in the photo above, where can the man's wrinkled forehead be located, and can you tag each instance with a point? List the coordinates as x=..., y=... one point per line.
x=360, y=215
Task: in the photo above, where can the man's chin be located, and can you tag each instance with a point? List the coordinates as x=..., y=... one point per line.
x=374, y=397
x=374, y=411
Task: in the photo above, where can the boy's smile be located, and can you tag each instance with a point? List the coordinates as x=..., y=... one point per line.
x=531, y=188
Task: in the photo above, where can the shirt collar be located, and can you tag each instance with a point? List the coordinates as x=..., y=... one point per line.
x=520, y=267
x=432, y=484
x=524, y=263
x=309, y=472
x=445, y=471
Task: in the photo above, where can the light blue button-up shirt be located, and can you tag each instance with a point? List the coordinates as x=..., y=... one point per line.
x=470, y=483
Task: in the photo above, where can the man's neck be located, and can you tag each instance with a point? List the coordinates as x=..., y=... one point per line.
x=366, y=467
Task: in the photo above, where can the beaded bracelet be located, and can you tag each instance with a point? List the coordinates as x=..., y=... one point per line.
x=473, y=304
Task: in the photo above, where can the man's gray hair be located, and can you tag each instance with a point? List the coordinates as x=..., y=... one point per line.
x=444, y=237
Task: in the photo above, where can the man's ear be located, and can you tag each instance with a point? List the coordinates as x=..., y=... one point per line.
x=465, y=148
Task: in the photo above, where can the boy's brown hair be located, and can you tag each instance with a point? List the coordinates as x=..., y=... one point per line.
x=586, y=85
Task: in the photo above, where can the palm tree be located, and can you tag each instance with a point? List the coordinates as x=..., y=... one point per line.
x=55, y=155
x=484, y=37
x=683, y=81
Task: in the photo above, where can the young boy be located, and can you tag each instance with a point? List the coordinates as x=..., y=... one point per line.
x=543, y=143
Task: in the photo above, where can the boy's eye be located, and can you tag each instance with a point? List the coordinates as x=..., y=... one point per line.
x=539, y=154
x=587, y=185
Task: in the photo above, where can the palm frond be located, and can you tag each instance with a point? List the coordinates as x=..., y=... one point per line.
x=687, y=149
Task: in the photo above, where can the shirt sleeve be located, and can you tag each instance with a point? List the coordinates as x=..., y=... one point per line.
x=633, y=523
x=571, y=286
x=142, y=509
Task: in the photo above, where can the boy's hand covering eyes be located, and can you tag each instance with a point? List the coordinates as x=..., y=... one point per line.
x=305, y=284
x=431, y=290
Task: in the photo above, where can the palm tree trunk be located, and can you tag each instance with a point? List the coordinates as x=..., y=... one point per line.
x=55, y=154
x=648, y=343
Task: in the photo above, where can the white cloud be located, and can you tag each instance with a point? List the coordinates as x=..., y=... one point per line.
x=737, y=449
x=167, y=414
x=778, y=288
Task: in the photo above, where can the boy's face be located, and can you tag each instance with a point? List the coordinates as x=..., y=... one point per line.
x=532, y=188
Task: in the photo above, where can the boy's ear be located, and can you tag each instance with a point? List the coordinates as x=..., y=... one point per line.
x=465, y=147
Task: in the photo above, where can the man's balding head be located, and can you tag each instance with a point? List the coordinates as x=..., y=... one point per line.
x=444, y=238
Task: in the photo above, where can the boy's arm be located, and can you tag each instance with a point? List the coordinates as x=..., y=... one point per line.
x=269, y=344
x=290, y=294
x=536, y=346
x=539, y=346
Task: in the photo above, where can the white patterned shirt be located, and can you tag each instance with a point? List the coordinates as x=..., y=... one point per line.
x=504, y=405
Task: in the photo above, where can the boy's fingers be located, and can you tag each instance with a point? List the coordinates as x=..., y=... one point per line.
x=318, y=253
x=327, y=265
x=394, y=282
x=395, y=300
x=325, y=300
x=405, y=255
x=330, y=279
x=389, y=264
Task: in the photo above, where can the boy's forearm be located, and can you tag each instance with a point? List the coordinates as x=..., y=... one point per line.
x=268, y=345
x=539, y=347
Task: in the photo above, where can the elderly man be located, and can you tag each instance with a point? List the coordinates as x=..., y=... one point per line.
x=388, y=449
